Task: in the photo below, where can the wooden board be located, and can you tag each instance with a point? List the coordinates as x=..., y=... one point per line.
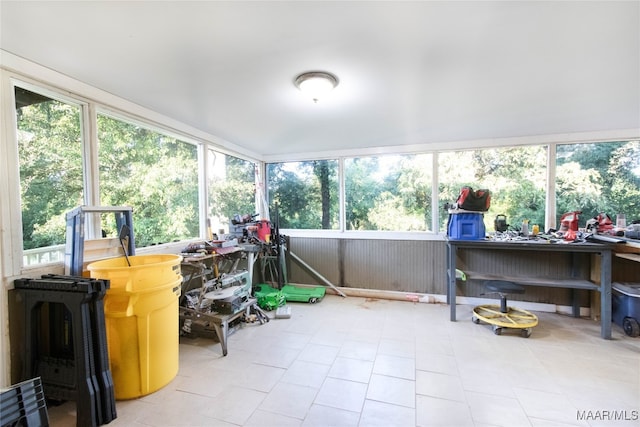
x=629, y=256
x=630, y=245
x=98, y=249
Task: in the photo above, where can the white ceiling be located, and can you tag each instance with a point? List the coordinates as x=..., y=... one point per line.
x=422, y=72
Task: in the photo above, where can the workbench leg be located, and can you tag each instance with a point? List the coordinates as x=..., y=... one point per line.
x=448, y=272
x=575, y=302
x=451, y=280
x=605, y=297
x=221, y=331
x=251, y=259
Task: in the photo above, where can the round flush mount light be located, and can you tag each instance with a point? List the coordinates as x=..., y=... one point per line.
x=316, y=84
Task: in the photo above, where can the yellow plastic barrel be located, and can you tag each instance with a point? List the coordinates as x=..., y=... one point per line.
x=141, y=314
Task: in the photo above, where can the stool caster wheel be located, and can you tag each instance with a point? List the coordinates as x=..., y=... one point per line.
x=497, y=330
x=526, y=333
x=475, y=320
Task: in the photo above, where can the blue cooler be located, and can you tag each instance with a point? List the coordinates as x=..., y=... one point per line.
x=466, y=226
x=625, y=304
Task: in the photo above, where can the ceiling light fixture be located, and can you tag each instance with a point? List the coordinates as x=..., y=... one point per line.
x=316, y=84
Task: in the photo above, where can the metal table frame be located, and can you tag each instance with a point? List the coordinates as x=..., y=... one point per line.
x=219, y=321
x=603, y=250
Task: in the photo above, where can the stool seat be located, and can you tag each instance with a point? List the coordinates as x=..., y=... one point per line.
x=503, y=316
x=504, y=286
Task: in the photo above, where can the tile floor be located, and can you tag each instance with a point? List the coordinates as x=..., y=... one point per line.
x=365, y=362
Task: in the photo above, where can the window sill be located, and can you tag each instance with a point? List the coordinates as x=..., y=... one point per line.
x=365, y=235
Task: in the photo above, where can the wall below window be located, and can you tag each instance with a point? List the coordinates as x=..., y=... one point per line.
x=387, y=265
x=420, y=267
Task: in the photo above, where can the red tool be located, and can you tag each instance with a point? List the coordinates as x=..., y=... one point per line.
x=569, y=221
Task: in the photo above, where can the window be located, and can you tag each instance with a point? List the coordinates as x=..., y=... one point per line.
x=598, y=178
x=304, y=195
x=388, y=193
x=515, y=176
x=155, y=174
x=51, y=174
x=232, y=189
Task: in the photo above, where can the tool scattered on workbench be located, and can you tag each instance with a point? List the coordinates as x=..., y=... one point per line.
x=500, y=223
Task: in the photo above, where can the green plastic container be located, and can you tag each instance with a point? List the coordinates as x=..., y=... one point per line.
x=268, y=298
x=300, y=294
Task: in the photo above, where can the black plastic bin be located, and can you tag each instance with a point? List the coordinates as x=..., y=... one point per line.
x=625, y=301
x=24, y=404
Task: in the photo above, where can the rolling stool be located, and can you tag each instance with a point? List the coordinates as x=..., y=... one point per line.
x=503, y=316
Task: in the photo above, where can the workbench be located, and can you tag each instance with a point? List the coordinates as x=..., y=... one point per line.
x=199, y=272
x=219, y=321
x=505, y=248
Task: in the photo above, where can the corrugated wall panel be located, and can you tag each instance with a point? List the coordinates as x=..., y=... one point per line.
x=420, y=266
x=394, y=265
x=320, y=254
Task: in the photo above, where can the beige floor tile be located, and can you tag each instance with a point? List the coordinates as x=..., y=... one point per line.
x=537, y=422
x=342, y=394
x=317, y=353
x=395, y=366
x=398, y=347
x=305, y=373
x=386, y=415
x=293, y=340
x=434, y=344
x=496, y=410
x=351, y=369
x=606, y=394
x=330, y=337
x=262, y=418
x=235, y=405
x=485, y=381
x=65, y=413
x=276, y=356
x=365, y=332
x=438, y=385
x=322, y=416
x=432, y=412
x=362, y=350
x=366, y=362
x=259, y=377
x=396, y=391
x=178, y=417
x=210, y=383
x=441, y=363
x=547, y=406
x=290, y=400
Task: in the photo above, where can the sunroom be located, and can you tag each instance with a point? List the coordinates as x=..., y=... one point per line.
x=191, y=114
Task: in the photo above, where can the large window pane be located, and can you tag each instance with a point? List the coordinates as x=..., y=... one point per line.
x=388, y=193
x=305, y=194
x=515, y=176
x=155, y=174
x=50, y=161
x=598, y=178
x=231, y=189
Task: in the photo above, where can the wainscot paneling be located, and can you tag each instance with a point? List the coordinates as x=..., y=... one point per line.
x=391, y=265
x=419, y=266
